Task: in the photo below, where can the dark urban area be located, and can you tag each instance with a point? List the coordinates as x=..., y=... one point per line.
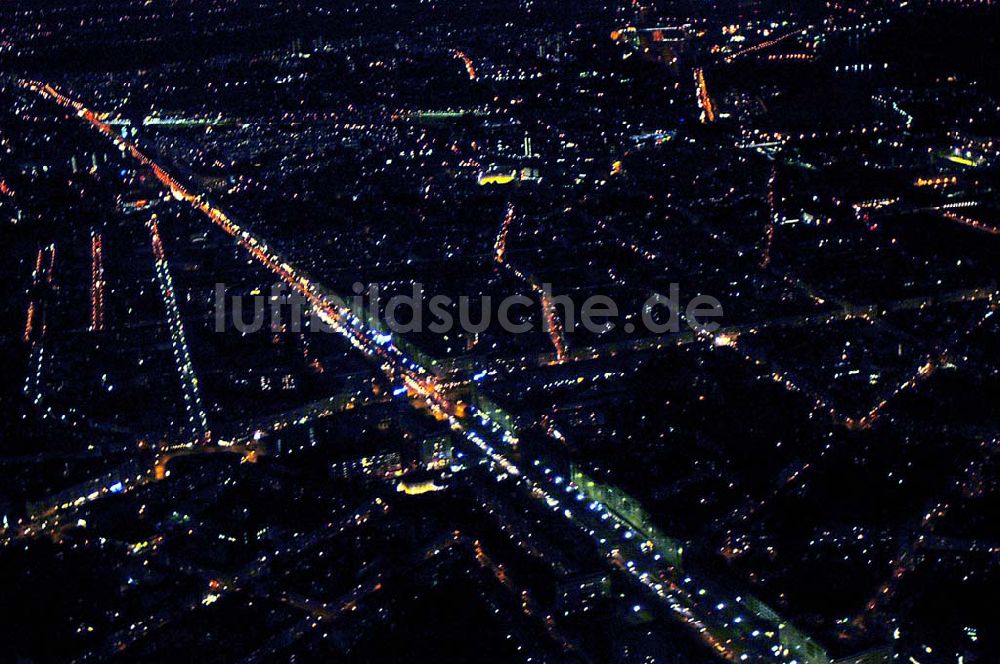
x=214, y=450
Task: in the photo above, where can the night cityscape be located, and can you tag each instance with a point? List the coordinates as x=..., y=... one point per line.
x=500, y=331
